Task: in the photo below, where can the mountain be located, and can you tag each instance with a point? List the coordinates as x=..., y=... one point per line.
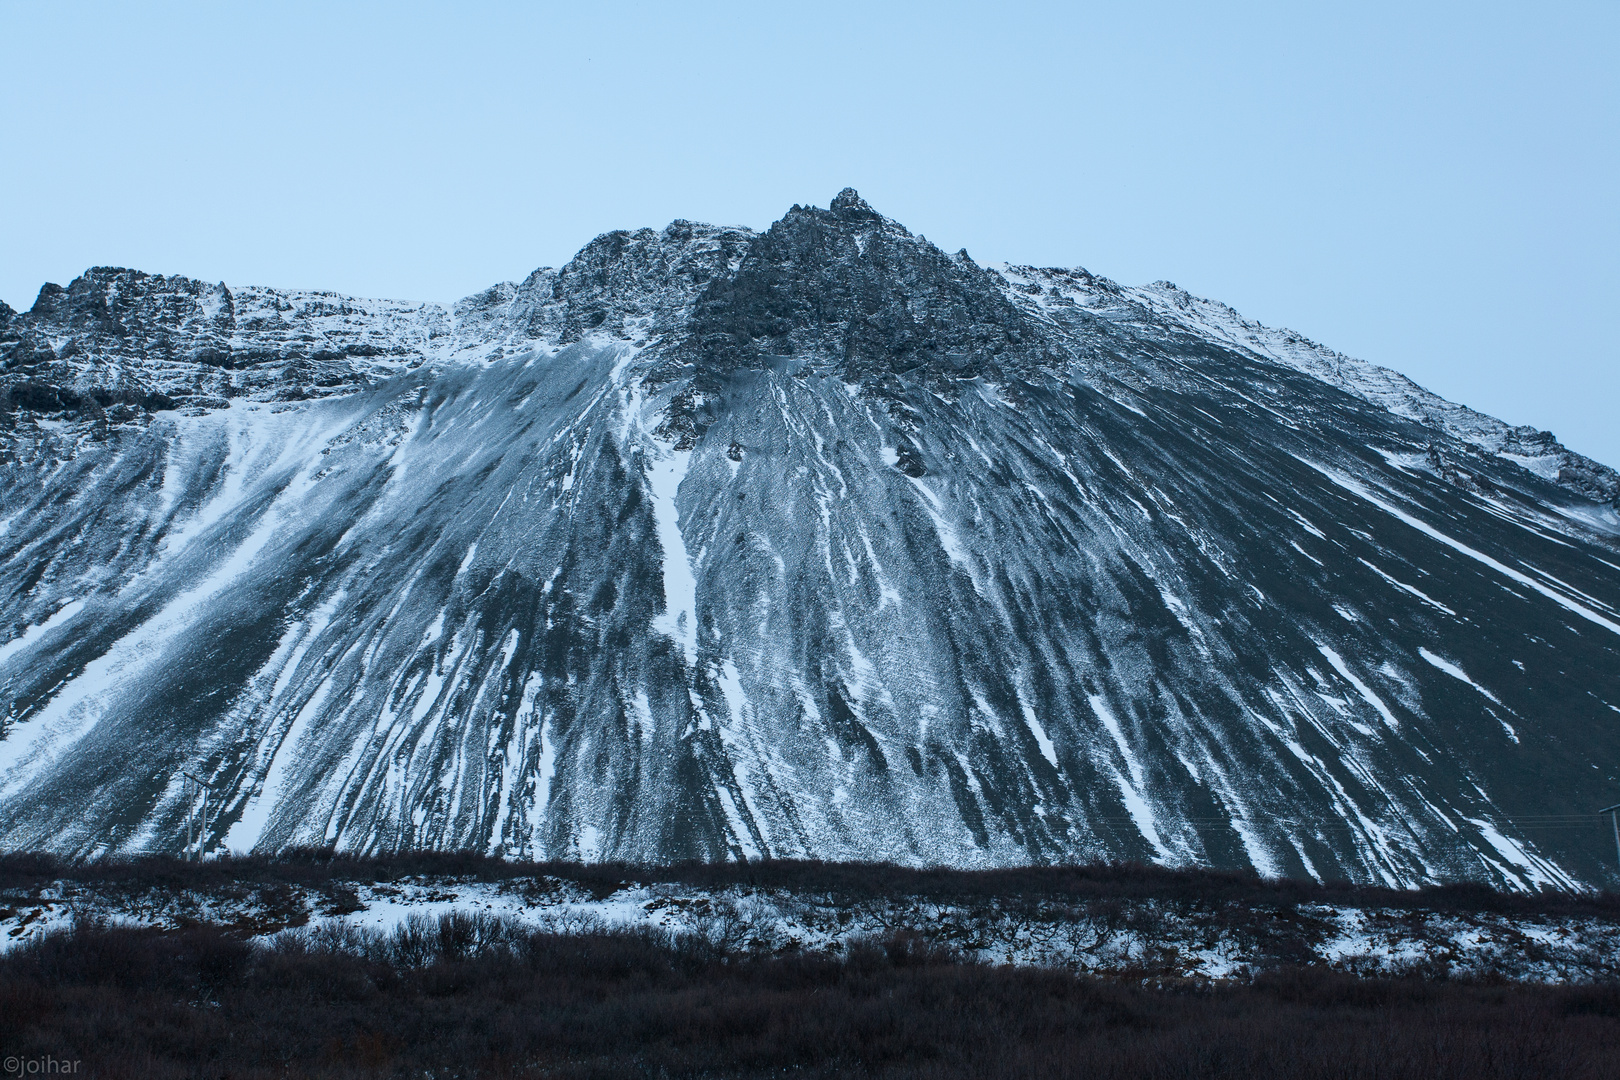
x=817, y=541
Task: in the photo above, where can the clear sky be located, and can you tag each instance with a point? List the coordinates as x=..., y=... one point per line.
x=1429, y=186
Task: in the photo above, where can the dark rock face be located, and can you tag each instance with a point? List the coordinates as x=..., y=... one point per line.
x=817, y=541
x=159, y=342
x=849, y=291
x=622, y=285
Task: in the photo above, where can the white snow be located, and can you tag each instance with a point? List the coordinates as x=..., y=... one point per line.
x=1259, y=857
x=1539, y=871
x=679, y=619
x=947, y=535
x=246, y=832
x=32, y=635
x=1375, y=941
x=739, y=829
x=1456, y=672
x=1456, y=545
x=1401, y=585
x=641, y=715
x=80, y=704
x=1362, y=688
x=542, y=791
x=1048, y=751
x=1131, y=788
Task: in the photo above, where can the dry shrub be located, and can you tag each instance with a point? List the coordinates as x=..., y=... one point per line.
x=469, y=995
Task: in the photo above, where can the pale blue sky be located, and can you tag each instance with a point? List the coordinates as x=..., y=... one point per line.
x=1428, y=186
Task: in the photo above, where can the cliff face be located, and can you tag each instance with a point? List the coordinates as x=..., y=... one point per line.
x=817, y=541
x=150, y=343
x=144, y=343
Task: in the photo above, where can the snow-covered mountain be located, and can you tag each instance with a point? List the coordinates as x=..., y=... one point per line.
x=816, y=541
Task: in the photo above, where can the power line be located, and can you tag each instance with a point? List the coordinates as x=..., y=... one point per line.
x=1614, y=816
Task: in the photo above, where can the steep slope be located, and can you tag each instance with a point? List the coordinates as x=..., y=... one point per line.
x=1536, y=450
x=816, y=541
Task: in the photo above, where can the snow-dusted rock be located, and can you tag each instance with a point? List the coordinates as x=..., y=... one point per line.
x=815, y=541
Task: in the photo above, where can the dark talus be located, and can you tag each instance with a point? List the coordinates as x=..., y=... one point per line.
x=811, y=542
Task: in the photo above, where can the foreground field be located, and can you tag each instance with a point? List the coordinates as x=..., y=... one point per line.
x=461, y=966
x=1120, y=921
x=466, y=995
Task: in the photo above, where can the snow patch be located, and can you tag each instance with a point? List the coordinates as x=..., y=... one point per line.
x=32, y=635
x=1362, y=688
x=1456, y=673
x=1457, y=545
x=679, y=619
x=1048, y=751
x=1131, y=788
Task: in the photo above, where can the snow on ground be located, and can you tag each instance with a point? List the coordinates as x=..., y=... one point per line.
x=1135, y=938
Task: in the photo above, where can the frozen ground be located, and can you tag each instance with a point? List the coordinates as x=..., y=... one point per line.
x=1132, y=938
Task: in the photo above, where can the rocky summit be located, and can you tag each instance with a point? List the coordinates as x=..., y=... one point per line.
x=812, y=542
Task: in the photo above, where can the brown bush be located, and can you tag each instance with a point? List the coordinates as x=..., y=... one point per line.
x=468, y=995
x=322, y=869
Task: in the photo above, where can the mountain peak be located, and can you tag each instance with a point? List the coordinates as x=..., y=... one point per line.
x=849, y=205
x=816, y=542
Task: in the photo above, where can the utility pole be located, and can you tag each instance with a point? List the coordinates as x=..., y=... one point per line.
x=1614, y=816
x=196, y=818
